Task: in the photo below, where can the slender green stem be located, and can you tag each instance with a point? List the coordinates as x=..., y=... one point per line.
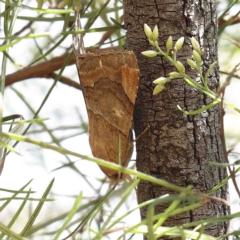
x=8, y=28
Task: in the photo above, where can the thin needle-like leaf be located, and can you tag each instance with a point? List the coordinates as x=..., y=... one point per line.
x=70, y=216
x=14, y=195
x=9, y=233
x=17, y=213
x=36, y=211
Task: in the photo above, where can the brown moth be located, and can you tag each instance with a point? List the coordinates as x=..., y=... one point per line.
x=109, y=83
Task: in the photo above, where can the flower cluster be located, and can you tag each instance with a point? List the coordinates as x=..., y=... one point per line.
x=195, y=63
x=171, y=55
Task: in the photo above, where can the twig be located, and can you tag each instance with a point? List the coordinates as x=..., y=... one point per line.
x=66, y=81
x=107, y=34
x=28, y=25
x=221, y=91
x=231, y=20
x=234, y=75
x=11, y=117
x=233, y=41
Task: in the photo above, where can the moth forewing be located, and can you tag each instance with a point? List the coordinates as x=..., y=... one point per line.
x=109, y=83
x=116, y=176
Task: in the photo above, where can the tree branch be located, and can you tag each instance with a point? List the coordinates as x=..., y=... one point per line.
x=46, y=70
x=43, y=69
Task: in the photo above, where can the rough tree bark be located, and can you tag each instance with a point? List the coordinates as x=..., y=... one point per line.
x=178, y=147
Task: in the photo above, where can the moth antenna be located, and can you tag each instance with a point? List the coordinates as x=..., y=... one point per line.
x=78, y=44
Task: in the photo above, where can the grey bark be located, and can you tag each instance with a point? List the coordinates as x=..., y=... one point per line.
x=177, y=147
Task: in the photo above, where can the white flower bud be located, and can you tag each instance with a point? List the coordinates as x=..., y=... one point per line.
x=191, y=63
x=174, y=74
x=161, y=80
x=180, y=67
x=179, y=43
x=169, y=44
x=150, y=53
x=196, y=56
x=148, y=31
x=155, y=33
x=153, y=43
x=158, y=89
x=195, y=44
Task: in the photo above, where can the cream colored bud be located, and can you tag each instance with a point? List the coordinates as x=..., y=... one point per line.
x=150, y=53
x=179, y=43
x=158, y=89
x=155, y=33
x=174, y=74
x=161, y=80
x=153, y=43
x=180, y=67
x=148, y=31
x=191, y=63
x=195, y=44
x=169, y=44
x=196, y=56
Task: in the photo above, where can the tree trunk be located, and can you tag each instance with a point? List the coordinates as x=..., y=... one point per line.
x=178, y=147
